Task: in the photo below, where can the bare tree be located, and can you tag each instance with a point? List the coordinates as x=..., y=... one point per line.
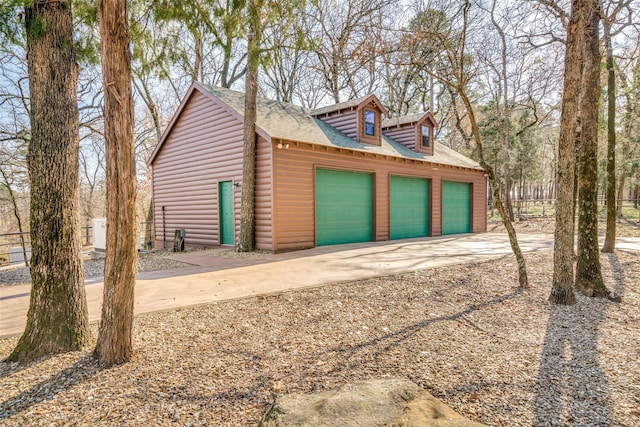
x=203, y=38
x=629, y=160
x=453, y=70
x=346, y=39
x=288, y=59
x=13, y=177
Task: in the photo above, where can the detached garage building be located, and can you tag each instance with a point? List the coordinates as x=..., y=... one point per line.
x=338, y=174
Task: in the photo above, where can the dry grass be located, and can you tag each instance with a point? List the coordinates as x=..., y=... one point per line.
x=464, y=333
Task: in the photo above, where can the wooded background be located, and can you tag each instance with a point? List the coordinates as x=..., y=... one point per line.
x=328, y=51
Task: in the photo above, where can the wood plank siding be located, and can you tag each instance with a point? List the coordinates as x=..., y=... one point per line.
x=344, y=121
x=294, y=190
x=264, y=201
x=405, y=135
x=204, y=148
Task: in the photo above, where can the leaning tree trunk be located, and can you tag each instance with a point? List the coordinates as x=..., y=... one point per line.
x=114, y=344
x=57, y=319
x=247, y=241
x=610, y=234
x=620, y=196
x=589, y=279
x=562, y=288
x=523, y=279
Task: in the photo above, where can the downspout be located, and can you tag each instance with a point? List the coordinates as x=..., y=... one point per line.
x=164, y=230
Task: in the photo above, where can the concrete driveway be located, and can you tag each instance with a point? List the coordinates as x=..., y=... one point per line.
x=212, y=280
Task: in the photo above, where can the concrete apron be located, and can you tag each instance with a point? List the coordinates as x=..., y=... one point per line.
x=190, y=286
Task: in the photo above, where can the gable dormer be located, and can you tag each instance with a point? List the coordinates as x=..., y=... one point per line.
x=360, y=119
x=415, y=131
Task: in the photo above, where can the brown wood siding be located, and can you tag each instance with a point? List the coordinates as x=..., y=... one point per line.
x=345, y=121
x=405, y=135
x=203, y=149
x=479, y=207
x=294, y=197
x=436, y=205
x=264, y=202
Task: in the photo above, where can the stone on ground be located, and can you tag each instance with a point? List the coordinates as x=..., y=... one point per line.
x=381, y=402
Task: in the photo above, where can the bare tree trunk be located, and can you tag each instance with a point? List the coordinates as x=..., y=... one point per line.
x=147, y=97
x=506, y=118
x=506, y=170
x=114, y=345
x=196, y=74
x=148, y=232
x=247, y=208
x=589, y=279
x=57, y=320
x=562, y=289
x=523, y=279
x=610, y=234
x=620, y=196
x=16, y=214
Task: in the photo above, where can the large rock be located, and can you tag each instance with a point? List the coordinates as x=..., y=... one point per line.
x=382, y=402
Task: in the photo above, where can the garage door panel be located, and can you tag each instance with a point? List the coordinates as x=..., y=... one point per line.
x=344, y=207
x=456, y=207
x=409, y=207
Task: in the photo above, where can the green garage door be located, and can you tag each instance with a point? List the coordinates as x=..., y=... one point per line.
x=409, y=206
x=227, y=222
x=344, y=207
x=456, y=207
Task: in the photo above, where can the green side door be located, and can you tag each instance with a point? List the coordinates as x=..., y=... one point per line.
x=456, y=207
x=344, y=207
x=227, y=223
x=409, y=207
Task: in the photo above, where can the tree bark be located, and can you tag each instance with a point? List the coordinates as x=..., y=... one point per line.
x=589, y=279
x=620, y=196
x=562, y=288
x=57, y=319
x=114, y=345
x=610, y=234
x=247, y=241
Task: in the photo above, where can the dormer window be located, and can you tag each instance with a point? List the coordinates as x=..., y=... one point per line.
x=415, y=131
x=360, y=119
x=369, y=122
x=425, y=139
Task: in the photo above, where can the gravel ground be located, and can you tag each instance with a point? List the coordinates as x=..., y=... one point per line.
x=95, y=268
x=464, y=333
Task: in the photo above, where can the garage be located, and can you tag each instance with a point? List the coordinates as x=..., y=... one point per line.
x=344, y=207
x=409, y=207
x=456, y=207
